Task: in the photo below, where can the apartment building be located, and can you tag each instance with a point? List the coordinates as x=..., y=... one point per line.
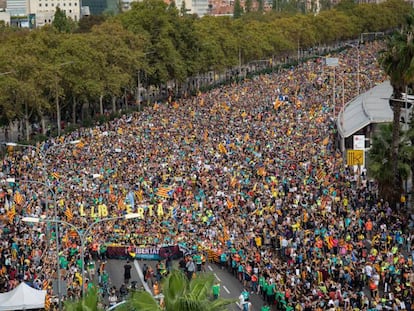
x=37, y=13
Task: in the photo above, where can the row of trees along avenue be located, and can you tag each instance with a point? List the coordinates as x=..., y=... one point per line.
x=56, y=71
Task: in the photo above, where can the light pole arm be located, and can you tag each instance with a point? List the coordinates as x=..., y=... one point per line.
x=82, y=235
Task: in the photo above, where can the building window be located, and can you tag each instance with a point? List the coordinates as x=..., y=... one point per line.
x=52, y=4
x=70, y=3
x=45, y=4
x=64, y=4
x=40, y=4
x=70, y=11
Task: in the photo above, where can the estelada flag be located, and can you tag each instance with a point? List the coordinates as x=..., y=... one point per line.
x=165, y=192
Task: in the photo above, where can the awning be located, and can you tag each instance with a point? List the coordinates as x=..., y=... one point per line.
x=370, y=107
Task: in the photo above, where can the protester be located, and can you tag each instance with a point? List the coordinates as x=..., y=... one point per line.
x=248, y=172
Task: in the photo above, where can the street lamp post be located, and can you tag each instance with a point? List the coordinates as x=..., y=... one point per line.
x=82, y=235
x=42, y=155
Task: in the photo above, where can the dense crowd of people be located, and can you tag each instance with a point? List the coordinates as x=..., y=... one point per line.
x=249, y=171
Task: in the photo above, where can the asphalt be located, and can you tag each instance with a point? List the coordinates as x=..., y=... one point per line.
x=230, y=287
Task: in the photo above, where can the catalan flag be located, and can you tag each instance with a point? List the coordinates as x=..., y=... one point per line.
x=11, y=213
x=80, y=144
x=261, y=171
x=229, y=204
x=47, y=302
x=277, y=104
x=18, y=198
x=221, y=148
x=45, y=284
x=233, y=181
x=320, y=174
x=165, y=192
x=55, y=175
x=121, y=203
x=68, y=214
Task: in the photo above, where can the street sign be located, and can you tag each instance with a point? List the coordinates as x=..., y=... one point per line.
x=359, y=142
x=354, y=157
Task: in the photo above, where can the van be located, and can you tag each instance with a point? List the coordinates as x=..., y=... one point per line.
x=406, y=107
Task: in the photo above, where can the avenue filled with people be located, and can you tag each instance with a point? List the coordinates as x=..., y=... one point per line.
x=249, y=172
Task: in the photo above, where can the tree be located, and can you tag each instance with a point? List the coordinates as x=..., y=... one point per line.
x=180, y=294
x=396, y=62
x=61, y=22
x=238, y=10
x=260, y=6
x=90, y=302
x=183, y=9
x=87, y=22
x=380, y=160
x=248, y=4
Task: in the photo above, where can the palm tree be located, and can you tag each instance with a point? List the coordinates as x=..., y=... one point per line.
x=88, y=303
x=179, y=294
x=380, y=160
x=396, y=62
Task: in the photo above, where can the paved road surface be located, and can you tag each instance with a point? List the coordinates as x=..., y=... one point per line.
x=230, y=286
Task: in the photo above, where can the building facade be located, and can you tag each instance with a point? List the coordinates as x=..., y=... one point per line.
x=37, y=13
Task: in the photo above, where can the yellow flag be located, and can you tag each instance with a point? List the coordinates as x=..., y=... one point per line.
x=221, y=148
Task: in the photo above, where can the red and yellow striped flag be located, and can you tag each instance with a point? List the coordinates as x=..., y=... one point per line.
x=55, y=175
x=47, y=302
x=320, y=175
x=18, y=198
x=11, y=213
x=233, y=181
x=229, y=204
x=164, y=192
x=121, y=203
x=261, y=171
x=221, y=148
x=68, y=214
x=45, y=284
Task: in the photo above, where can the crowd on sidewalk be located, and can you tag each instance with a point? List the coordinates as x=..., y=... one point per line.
x=249, y=170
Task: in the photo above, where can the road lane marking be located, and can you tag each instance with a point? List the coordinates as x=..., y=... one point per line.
x=217, y=277
x=141, y=277
x=225, y=288
x=210, y=268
